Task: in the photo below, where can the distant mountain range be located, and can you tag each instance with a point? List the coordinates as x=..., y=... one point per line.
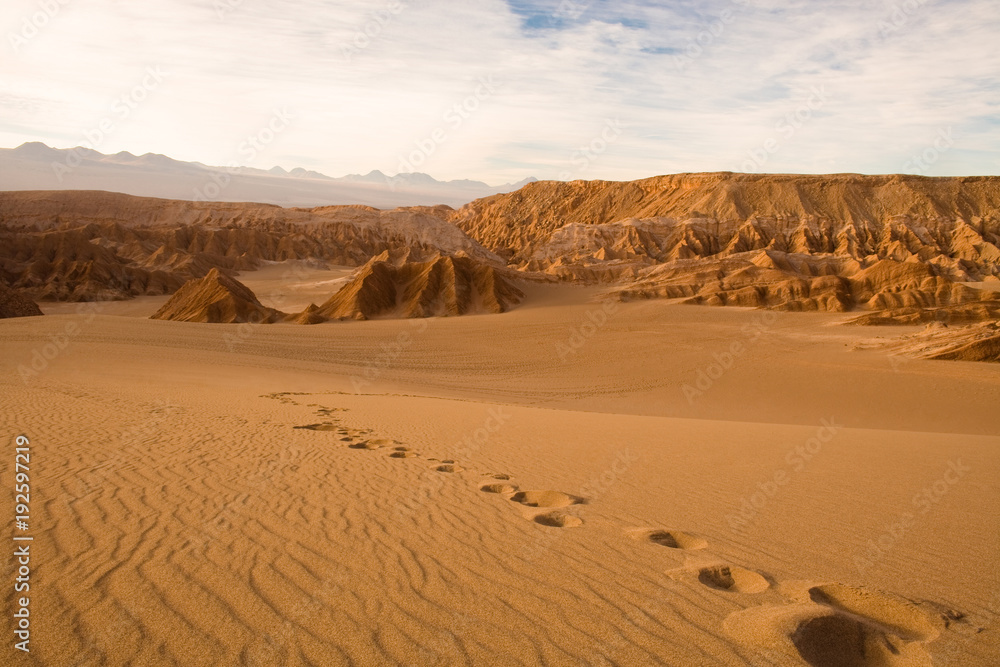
x=35, y=166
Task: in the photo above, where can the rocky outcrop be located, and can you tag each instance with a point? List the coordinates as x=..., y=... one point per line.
x=395, y=286
x=701, y=215
x=976, y=342
x=216, y=298
x=87, y=246
x=14, y=304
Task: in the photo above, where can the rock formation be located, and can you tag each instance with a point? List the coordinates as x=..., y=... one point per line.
x=14, y=304
x=392, y=284
x=216, y=298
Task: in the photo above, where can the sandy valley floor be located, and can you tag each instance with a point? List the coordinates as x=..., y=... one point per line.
x=556, y=485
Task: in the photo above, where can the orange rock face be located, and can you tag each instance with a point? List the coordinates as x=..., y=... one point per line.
x=439, y=286
x=902, y=245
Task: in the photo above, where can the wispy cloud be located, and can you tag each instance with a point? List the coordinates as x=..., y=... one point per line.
x=694, y=85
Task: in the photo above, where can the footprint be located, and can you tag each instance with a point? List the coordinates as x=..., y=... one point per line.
x=676, y=539
x=558, y=520
x=842, y=641
x=546, y=499
x=498, y=488
x=733, y=579
x=365, y=444
x=501, y=476
x=833, y=625
x=897, y=615
x=325, y=426
x=449, y=467
x=383, y=442
x=403, y=455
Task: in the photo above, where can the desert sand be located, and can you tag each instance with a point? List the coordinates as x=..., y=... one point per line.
x=707, y=419
x=453, y=491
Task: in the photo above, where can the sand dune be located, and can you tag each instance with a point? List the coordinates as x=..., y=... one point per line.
x=247, y=505
x=573, y=472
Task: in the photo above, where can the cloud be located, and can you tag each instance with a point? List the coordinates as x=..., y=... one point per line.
x=694, y=85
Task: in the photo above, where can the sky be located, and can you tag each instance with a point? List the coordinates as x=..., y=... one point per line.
x=498, y=90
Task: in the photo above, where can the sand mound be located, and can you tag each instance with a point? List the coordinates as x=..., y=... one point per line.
x=216, y=298
x=14, y=304
x=393, y=285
